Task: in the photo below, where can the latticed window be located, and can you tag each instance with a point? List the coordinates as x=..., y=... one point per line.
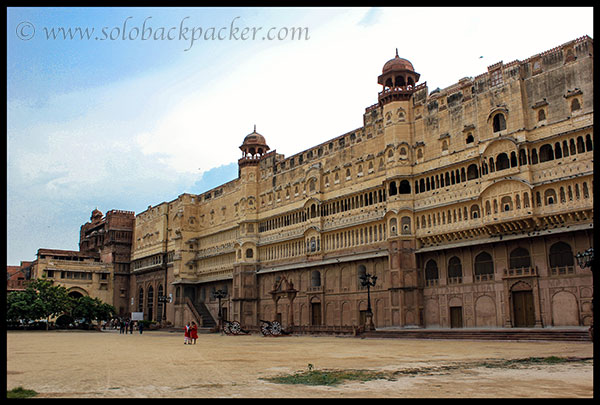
x=431, y=273
x=141, y=300
x=484, y=267
x=519, y=258
x=454, y=271
x=560, y=258
x=315, y=278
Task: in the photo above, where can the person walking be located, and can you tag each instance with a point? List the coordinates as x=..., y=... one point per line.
x=186, y=334
x=193, y=332
x=131, y=327
x=141, y=326
x=121, y=326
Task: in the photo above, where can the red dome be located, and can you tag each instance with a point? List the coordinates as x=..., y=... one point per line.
x=254, y=139
x=397, y=64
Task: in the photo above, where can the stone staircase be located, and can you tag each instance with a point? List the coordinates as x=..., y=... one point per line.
x=551, y=334
x=207, y=319
x=202, y=314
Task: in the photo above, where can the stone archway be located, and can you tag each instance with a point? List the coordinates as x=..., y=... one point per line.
x=284, y=288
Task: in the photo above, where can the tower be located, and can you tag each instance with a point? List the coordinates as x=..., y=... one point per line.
x=245, y=285
x=398, y=78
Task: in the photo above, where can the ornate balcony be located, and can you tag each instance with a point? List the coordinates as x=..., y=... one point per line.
x=521, y=272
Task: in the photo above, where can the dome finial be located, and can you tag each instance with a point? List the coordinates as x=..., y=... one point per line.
x=254, y=127
x=397, y=53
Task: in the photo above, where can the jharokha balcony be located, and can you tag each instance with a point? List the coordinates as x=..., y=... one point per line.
x=521, y=272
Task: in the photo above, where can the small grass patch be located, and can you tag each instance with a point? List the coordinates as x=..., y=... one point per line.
x=327, y=377
x=528, y=361
x=20, y=392
x=336, y=377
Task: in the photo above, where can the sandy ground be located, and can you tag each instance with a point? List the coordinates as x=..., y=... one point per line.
x=81, y=364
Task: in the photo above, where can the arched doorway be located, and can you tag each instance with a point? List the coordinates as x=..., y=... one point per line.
x=522, y=305
x=315, y=312
x=75, y=294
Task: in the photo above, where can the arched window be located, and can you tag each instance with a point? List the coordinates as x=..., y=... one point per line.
x=362, y=271
x=565, y=148
x=550, y=196
x=393, y=226
x=484, y=267
x=405, y=222
x=159, y=309
x=431, y=272
x=560, y=255
x=580, y=145
x=502, y=162
x=150, y=304
x=454, y=270
x=557, y=151
x=404, y=187
x=541, y=115
x=315, y=278
x=249, y=253
x=546, y=153
x=575, y=105
x=470, y=138
x=141, y=300
x=589, y=146
x=393, y=190
x=474, y=211
x=506, y=204
x=499, y=122
x=519, y=258
x=534, y=156
x=522, y=157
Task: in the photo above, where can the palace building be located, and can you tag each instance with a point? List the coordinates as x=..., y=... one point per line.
x=467, y=203
x=100, y=268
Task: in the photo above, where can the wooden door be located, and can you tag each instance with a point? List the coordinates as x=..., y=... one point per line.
x=456, y=317
x=316, y=313
x=524, y=315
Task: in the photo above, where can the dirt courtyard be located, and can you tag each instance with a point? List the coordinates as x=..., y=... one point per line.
x=79, y=364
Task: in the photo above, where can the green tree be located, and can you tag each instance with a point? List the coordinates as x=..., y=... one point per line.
x=41, y=299
x=92, y=309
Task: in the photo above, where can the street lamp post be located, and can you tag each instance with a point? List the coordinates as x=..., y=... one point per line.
x=369, y=281
x=219, y=294
x=586, y=260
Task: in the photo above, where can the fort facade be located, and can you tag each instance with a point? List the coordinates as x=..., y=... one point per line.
x=467, y=203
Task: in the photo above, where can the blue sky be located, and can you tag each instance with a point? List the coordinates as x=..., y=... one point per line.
x=122, y=122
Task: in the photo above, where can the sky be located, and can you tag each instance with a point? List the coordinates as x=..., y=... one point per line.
x=140, y=105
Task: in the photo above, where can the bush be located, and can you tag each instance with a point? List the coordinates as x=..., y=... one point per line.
x=20, y=392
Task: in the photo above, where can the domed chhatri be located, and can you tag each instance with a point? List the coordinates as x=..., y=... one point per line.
x=398, y=72
x=254, y=145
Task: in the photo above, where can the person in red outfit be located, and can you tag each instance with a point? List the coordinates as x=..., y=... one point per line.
x=186, y=335
x=193, y=332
